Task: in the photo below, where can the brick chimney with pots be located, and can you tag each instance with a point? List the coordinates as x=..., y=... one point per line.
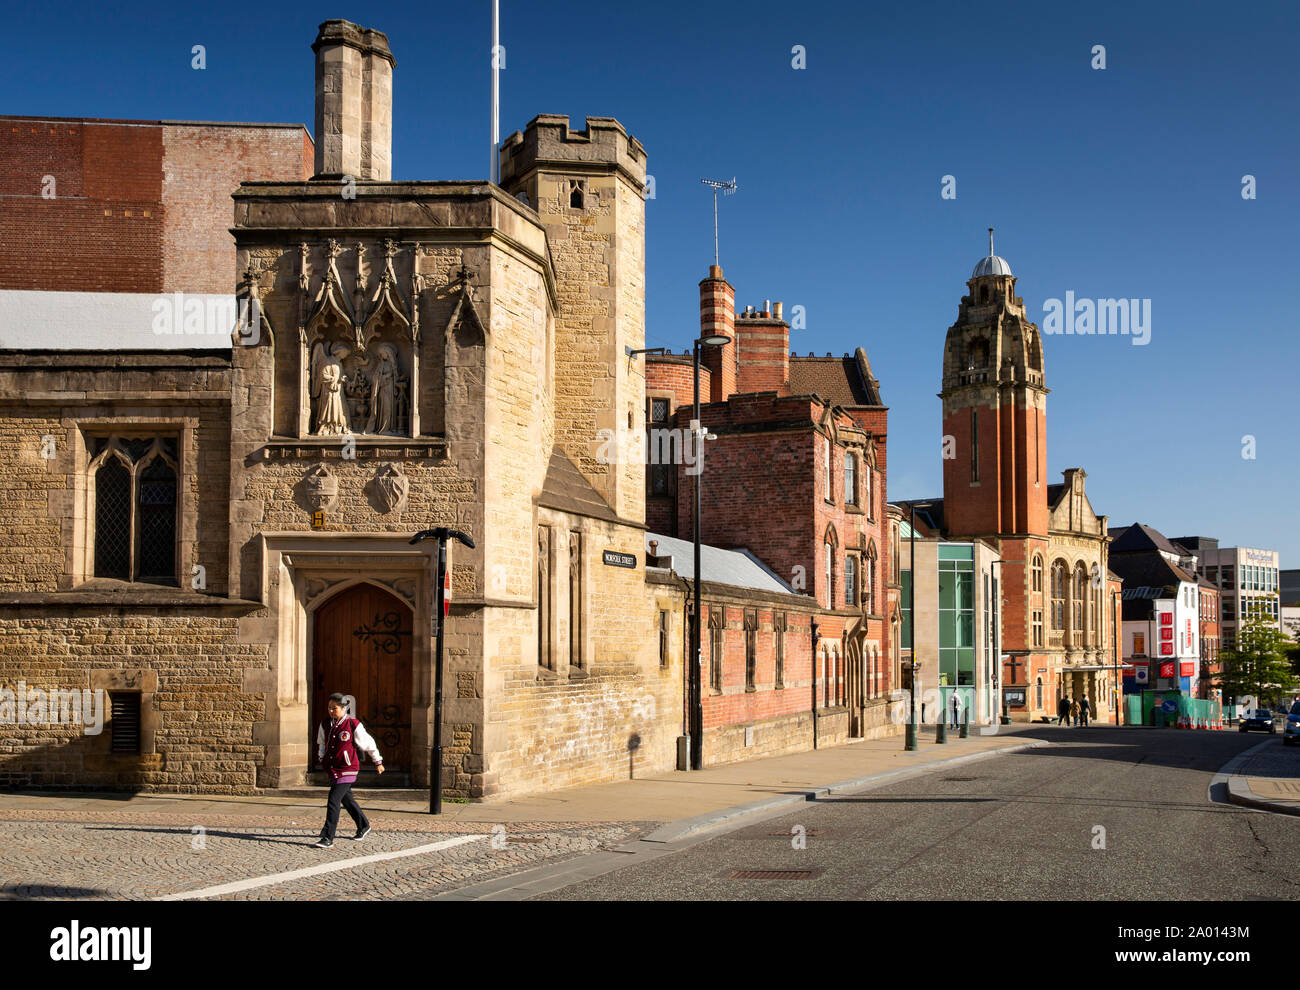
x=763, y=350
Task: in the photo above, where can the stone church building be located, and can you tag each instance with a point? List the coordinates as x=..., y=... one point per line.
x=215, y=453
x=218, y=535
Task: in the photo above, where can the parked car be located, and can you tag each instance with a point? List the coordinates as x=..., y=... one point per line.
x=1292, y=731
x=1260, y=720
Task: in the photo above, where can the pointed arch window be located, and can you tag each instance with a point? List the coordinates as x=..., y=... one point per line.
x=1058, y=596
x=1077, y=626
x=135, y=484
x=850, y=479
x=1037, y=572
x=869, y=582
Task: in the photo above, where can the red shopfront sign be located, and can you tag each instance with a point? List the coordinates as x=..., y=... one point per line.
x=1188, y=669
x=1167, y=669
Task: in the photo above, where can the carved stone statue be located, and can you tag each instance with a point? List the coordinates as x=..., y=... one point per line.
x=383, y=393
x=327, y=380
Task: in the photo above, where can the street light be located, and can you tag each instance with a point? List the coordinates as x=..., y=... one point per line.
x=441, y=534
x=910, y=739
x=696, y=690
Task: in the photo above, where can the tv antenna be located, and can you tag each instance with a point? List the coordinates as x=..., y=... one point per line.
x=727, y=189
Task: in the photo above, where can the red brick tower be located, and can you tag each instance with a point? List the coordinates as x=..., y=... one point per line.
x=994, y=412
x=995, y=445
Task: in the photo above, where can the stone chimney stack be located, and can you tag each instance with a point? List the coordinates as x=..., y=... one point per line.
x=354, y=102
x=718, y=315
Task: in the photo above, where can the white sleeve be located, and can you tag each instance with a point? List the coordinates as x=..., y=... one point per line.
x=367, y=745
x=320, y=742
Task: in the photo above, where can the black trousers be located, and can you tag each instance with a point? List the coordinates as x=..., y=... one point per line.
x=341, y=795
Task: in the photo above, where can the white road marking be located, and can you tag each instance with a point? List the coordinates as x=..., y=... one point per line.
x=312, y=871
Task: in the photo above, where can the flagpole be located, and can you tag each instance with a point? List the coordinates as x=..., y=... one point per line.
x=495, y=171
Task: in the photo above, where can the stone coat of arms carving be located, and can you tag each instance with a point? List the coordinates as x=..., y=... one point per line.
x=390, y=489
x=321, y=489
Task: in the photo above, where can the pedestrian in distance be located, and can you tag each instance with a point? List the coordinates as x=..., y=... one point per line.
x=956, y=711
x=1062, y=711
x=337, y=743
x=1074, y=711
x=1085, y=710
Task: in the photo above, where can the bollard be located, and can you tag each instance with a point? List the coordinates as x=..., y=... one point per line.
x=910, y=744
x=965, y=723
x=941, y=731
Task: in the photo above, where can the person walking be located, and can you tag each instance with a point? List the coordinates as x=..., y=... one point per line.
x=337, y=741
x=1085, y=710
x=1074, y=711
x=1062, y=710
x=956, y=711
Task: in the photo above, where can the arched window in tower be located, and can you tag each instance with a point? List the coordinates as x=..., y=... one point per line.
x=1035, y=350
x=869, y=581
x=830, y=575
x=1095, y=581
x=1037, y=572
x=977, y=354
x=1077, y=625
x=850, y=479
x=1058, y=596
x=575, y=193
x=984, y=293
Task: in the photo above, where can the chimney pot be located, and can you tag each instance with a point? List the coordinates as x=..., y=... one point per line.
x=776, y=310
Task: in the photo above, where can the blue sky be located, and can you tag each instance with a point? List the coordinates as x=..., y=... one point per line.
x=1124, y=182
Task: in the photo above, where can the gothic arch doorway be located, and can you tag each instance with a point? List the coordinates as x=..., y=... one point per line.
x=361, y=645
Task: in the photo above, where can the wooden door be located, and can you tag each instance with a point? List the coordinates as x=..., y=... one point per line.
x=362, y=647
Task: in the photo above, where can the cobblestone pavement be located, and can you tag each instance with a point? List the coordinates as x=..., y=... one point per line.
x=133, y=856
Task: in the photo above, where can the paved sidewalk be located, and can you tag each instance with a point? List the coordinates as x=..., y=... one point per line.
x=690, y=800
x=1266, y=776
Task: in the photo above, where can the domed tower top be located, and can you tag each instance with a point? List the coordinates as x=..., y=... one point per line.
x=992, y=265
x=992, y=340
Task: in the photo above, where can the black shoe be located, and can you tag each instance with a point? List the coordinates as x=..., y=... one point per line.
x=324, y=843
x=361, y=833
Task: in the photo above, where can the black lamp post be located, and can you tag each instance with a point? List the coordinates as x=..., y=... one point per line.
x=910, y=742
x=695, y=688
x=441, y=534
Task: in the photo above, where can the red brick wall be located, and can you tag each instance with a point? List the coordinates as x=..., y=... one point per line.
x=94, y=236
x=737, y=706
x=759, y=484
x=763, y=355
x=204, y=164
x=138, y=206
x=676, y=377
x=1004, y=500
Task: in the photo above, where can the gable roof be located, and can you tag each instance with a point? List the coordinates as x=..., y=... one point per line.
x=1139, y=537
x=843, y=381
x=1148, y=569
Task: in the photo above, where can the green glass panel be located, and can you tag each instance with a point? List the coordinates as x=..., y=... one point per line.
x=947, y=629
x=956, y=551
x=947, y=590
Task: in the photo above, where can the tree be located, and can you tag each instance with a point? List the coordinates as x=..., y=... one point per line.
x=1259, y=663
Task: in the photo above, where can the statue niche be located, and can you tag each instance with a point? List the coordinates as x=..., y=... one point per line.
x=359, y=371
x=359, y=391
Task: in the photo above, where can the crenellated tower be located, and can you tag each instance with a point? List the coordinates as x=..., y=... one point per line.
x=587, y=188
